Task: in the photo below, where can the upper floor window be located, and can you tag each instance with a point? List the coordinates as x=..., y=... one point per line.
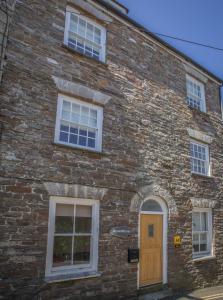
x=202, y=232
x=199, y=154
x=195, y=94
x=84, y=35
x=72, y=236
x=78, y=124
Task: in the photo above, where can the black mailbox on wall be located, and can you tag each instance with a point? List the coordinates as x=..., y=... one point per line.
x=133, y=255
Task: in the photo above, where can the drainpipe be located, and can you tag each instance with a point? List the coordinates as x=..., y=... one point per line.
x=221, y=98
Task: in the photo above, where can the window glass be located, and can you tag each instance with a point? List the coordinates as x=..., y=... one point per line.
x=151, y=205
x=81, y=250
x=73, y=225
x=199, y=158
x=64, y=218
x=62, y=251
x=84, y=36
x=195, y=96
x=83, y=219
x=196, y=221
x=201, y=233
x=79, y=124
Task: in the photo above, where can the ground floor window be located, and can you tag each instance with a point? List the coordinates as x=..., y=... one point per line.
x=202, y=232
x=72, y=236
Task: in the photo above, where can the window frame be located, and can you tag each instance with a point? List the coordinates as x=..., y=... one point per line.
x=98, y=139
x=209, y=251
x=77, y=269
x=69, y=11
x=207, y=154
x=202, y=87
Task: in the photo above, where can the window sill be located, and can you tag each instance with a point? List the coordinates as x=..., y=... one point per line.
x=83, y=55
x=72, y=276
x=83, y=150
x=204, y=258
x=198, y=110
x=201, y=175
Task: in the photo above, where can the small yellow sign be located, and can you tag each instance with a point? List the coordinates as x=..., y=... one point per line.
x=177, y=241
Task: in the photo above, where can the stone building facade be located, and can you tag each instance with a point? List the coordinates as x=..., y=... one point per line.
x=147, y=148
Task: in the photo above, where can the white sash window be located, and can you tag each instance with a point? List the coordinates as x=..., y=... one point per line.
x=202, y=232
x=78, y=123
x=72, y=236
x=195, y=94
x=84, y=35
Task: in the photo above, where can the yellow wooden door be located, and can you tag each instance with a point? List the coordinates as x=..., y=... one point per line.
x=151, y=249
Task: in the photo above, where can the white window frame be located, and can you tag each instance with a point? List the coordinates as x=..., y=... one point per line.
x=202, y=87
x=78, y=269
x=207, y=154
x=69, y=11
x=98, y=140
x=209, y=251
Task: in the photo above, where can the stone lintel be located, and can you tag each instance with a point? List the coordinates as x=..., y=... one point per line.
x=193, y=72
x=90, y=9
x=74, y=190
x=203, y=203
x=80, y=90
x=201, y=136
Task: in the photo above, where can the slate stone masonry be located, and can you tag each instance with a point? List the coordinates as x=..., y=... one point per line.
x=142, y=88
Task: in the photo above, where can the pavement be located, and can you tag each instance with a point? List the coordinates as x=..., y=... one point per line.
x=212, y=293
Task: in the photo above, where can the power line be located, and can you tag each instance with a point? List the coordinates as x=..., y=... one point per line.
x=187, y=41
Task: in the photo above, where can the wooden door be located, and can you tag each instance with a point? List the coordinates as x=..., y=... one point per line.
x=151, y=249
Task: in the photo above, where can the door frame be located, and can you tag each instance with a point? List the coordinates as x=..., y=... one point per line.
x=164, y=213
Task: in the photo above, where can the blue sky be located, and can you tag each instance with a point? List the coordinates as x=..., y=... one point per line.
x=196, y=20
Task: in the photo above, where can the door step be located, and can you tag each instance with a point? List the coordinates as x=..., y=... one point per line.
x=154, y=292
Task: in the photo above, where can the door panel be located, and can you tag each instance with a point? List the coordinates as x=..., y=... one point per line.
x=151, y=249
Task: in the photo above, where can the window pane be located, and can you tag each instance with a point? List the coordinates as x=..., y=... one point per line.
x=75, y=118
x=66, y=115
x=195, y=248
x=83, y=132
x=64, y=218
x=81, y=250
x=196, y=238
x=73, y=139
x=66, y=105
x=91, y=134
x=204, y=226
x=63, y=137
x=64, y=126
x=196, y=221
x=83, y=219
x=82, y=141
x=203, y=237
x=97, y=36
x=76, y=108
x=90, y=30
x=151, y=205
x=62, y=251
x=93, y=113
x=73, y=130
x=82, y=27
x=73, y=22
x=203, y=247
x=93, y=122
x=91, y=143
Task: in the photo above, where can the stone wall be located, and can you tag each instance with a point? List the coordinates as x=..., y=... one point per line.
x=145, y=143
x=6, y=13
